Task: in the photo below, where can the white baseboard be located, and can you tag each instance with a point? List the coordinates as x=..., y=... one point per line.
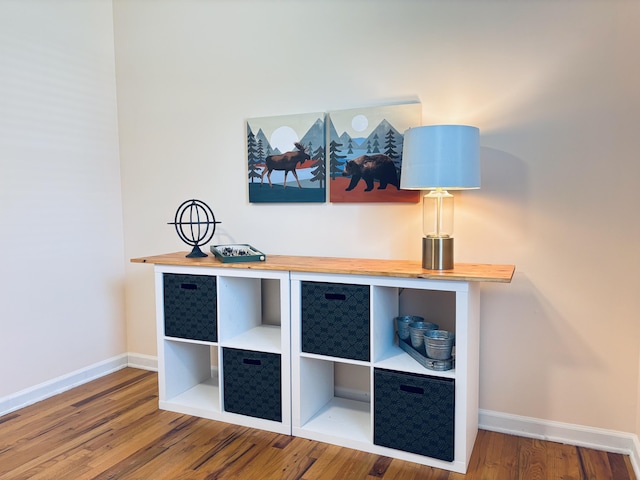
x=352, y=394
x=143, y=362
x=578, y=435
x=71, y=380
x=60, y=384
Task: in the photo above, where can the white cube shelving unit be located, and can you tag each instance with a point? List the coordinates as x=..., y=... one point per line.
x=321, y=413
x=252, y=314
x=259, y=309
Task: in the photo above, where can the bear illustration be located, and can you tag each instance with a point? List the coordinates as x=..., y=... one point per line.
x=370, y=167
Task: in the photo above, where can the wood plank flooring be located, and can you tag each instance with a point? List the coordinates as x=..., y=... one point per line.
x=111, y=428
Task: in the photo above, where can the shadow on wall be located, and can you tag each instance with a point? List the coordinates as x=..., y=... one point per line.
x=504, y=175
x=494, y=220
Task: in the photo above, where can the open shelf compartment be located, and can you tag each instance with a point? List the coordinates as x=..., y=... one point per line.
x=250, y=312
x=190, y=378
x=325, y=414
x=389, y=302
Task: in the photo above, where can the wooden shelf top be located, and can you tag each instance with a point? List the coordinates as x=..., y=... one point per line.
x=466, y=272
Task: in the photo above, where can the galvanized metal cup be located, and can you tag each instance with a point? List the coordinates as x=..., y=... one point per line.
x=439, y=344
x=417, y=331
x=402, y=325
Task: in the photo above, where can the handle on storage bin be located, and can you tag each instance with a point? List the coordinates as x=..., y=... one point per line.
x=251, y=361
x=412, y=389
x=189, y=286
x=335, y=296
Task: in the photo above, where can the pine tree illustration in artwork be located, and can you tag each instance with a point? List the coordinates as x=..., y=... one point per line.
x=334, y=159
x=319, y=173
x=390, y=145
x=390, y=149
x=253, y=156
x=376, y=145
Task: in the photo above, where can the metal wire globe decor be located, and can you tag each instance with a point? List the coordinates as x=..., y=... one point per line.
x=195, y=224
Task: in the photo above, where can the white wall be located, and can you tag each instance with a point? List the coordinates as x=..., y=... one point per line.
x=553, y=88
x=62, y=268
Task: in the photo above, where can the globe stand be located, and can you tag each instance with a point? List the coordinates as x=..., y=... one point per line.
x=196, y=253
x=201, y=223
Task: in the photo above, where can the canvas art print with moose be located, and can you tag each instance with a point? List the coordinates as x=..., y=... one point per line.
x=286, y=158
x=365, y=153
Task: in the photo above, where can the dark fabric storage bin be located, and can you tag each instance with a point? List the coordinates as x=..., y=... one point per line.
x=252, y=383
x=335, y=320
x=414, y=413
x=190, y=307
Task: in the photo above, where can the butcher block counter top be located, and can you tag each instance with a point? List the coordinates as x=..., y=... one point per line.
x=465, y=272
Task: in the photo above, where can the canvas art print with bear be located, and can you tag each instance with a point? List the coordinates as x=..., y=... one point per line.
x=286, y=158
x=365, y=153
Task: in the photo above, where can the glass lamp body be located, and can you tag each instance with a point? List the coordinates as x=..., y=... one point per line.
x=437, y=226
x=437, y=211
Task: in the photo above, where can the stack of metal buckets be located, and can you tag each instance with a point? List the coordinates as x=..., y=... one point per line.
x=425, y=337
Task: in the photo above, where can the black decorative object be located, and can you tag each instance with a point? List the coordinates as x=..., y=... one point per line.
x=195, y=225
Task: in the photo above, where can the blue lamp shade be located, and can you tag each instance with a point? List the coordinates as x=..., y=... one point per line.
x=441, y=156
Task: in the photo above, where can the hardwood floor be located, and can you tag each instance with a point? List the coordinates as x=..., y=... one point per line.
x=111, y=428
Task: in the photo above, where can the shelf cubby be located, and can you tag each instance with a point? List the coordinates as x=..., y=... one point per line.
x=249, y=317
x=190, y=382
x=323, y=411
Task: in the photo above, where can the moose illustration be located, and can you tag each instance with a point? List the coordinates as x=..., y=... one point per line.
x=287, y=162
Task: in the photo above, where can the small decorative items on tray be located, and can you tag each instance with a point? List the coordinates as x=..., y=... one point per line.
x=425, y=342
x=237, y=253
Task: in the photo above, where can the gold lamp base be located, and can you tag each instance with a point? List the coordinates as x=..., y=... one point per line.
x=437, y=253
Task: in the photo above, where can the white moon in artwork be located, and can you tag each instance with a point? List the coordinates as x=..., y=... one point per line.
x=283, y=138
x=359, y=123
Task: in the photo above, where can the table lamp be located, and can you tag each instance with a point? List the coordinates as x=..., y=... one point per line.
x=440, y=158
